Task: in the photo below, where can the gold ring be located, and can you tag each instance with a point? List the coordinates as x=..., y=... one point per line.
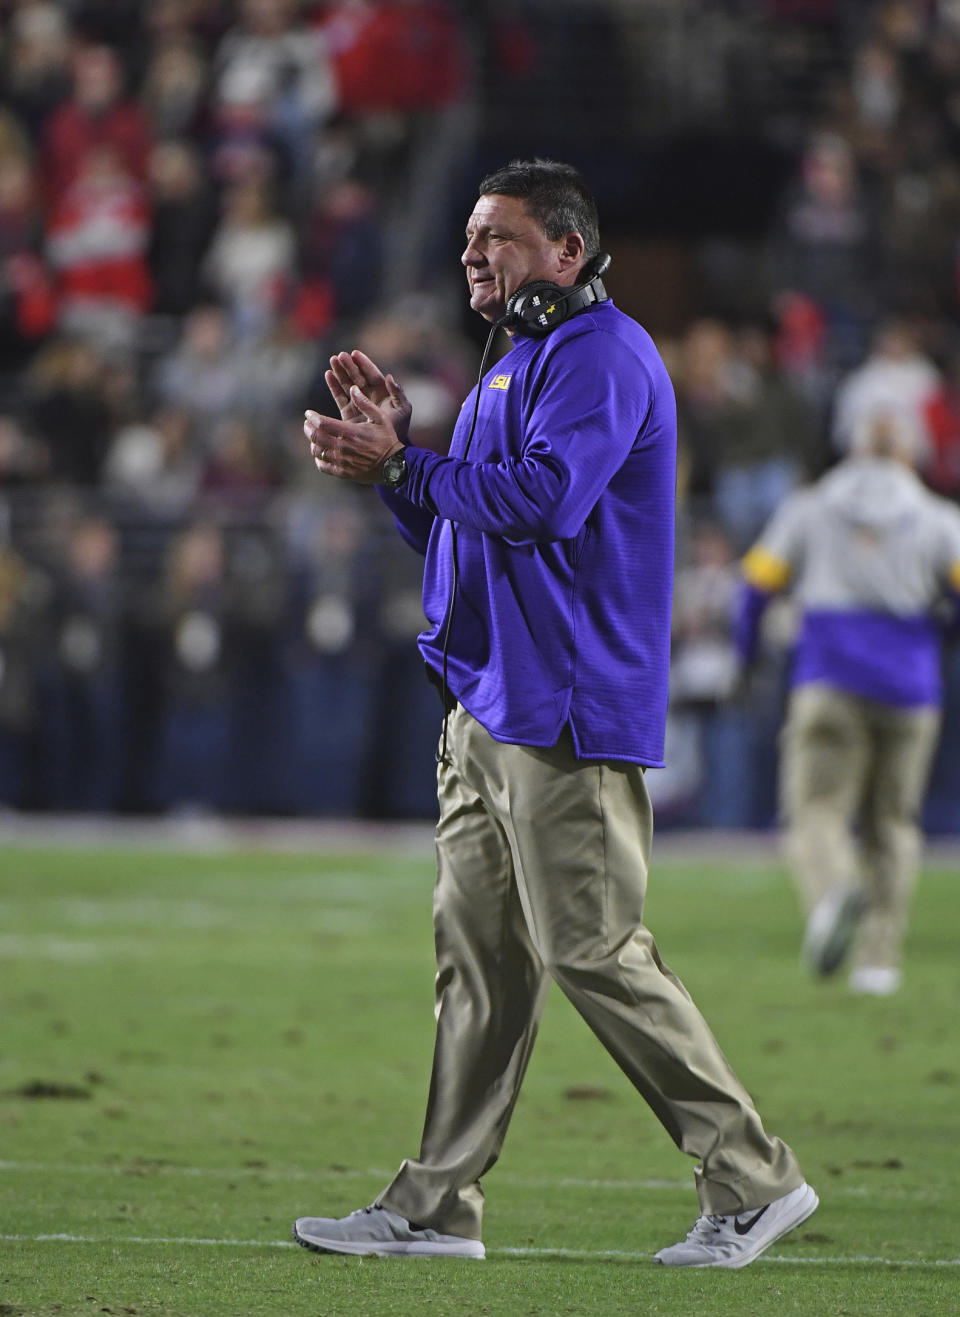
x=323, y=454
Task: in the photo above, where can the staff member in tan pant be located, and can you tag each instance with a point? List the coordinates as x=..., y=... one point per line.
x=869, y=554
x=548, y=535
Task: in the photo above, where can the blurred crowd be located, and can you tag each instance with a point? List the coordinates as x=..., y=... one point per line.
x=845, y=313
x=200, y=199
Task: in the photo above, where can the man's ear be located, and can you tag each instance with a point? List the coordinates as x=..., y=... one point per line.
x=570, y=252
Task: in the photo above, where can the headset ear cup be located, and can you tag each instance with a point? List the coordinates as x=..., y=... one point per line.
x=512, y=301
x=538, y=307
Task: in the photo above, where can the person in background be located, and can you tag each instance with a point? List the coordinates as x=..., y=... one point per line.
x=273, y=89
x=824, y=246
x=548, y=534
x=27, y=303
x=35, y=62
x=896, y=377
x=84, y=714
x=96, y=244
x=941, y=470
x=192, y=618
x=869, y=554
x=183, y=218
x=153, y=465
x=98, y=115
x=252, y=257
x=703, y=669
x=24, y=639
x=202, y=375
x=748, y=431
x=67, y=410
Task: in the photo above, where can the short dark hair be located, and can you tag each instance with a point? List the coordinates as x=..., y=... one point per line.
x=556, y=196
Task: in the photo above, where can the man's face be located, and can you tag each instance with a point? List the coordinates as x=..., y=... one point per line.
x=506, y=248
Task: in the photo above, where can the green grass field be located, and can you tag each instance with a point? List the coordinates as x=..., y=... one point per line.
x=196, y=1048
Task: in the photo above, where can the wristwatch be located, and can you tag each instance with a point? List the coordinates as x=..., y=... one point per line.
x=393, y=470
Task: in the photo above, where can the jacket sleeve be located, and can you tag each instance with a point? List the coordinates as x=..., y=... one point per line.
x=749, y=606
x=592, y=398
x=414, y=523
x=767, y=568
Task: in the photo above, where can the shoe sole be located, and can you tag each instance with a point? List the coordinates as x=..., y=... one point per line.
x=825, y=953
x=467, y=1248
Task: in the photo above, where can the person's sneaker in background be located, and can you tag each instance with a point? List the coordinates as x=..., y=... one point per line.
x=830, y=929
x=875, y=980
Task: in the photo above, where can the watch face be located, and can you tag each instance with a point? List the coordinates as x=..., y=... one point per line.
x=394, y=470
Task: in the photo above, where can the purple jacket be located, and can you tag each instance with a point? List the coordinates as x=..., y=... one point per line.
x=565, y=516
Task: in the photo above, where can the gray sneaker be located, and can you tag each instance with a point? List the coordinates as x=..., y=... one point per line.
x=379, y=1231
x=733, y=1241
x=830, y=929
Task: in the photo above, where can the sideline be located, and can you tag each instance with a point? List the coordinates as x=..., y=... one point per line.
x=212, y=833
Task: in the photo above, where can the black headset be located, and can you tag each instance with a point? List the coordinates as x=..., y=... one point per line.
x=538, y=307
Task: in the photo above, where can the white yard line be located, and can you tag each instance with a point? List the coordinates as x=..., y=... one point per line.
x=577, y=1254
x=613, y=1254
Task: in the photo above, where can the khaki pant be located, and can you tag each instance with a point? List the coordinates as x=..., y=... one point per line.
x=847, y=760
x=541, y=873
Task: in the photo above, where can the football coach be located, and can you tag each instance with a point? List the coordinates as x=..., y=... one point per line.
x=547, y=531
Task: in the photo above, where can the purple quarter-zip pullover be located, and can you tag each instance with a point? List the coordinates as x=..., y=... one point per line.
x=564, y=508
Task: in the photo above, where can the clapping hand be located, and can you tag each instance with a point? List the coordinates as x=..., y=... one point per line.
x=374, y=420
x=349, y=370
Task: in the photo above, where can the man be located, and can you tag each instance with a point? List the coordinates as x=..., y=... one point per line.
x=869, y=554
x=548, y=533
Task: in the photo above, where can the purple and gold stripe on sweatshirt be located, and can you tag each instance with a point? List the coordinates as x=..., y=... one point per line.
x=878, y=655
